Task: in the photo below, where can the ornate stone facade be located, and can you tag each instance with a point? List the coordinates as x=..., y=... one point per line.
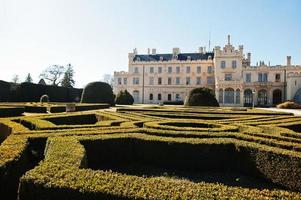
x=155, y=78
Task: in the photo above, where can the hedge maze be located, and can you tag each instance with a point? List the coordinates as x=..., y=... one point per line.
x=152, y=153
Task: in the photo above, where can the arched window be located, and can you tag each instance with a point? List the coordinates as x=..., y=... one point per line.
x=248, y=97
x=221, y=96
x=229, y=96
x=277, y=96
x=151, y=96
x=159, y=97
x=237, y=96
x=262, y=98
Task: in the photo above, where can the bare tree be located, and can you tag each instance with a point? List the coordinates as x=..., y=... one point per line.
x=53, y=74
x=108, y=78
x=15, y=78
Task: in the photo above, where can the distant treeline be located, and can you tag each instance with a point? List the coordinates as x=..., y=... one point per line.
x=31, y=92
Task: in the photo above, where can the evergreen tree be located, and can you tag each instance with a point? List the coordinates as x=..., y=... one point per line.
x=68, y=80
x=28, y=78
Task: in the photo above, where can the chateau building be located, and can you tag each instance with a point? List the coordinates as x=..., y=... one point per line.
x=155, y=78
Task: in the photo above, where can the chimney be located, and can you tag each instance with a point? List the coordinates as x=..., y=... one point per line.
x=229, y=40
x=288, y=60
x=201, y=50
x=249, y=57
x=154, y=51
x=204, y=49
x=148, y=51
x=175, y=51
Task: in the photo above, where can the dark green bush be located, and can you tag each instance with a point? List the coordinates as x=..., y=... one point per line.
x=98, y=92
x=201, y=97
x=173, y=102
x=4, y=91
x=124, y=98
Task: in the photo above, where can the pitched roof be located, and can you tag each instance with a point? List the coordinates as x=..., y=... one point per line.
x=168, y=57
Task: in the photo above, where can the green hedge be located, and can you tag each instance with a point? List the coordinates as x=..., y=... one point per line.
x=11, y=111
x=66, y=160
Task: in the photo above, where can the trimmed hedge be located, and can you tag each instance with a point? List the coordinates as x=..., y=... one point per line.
x=28, y=92
x=124, y=98
x=66, y=159
x=11, y=111
x=98, y=92
x=201, y=97
x=105, y=159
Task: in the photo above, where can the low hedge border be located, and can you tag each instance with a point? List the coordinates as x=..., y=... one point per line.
x=11, y=111
x=212, y=126
x=65, y=171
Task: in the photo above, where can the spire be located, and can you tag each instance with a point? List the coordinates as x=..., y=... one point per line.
x=228, y=39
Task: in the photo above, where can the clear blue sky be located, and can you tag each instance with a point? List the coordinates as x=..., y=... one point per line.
x=95, y=36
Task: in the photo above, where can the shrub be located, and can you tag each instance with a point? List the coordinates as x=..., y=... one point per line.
x=289, y=105
x=173, y=102
x=124, y=98
x=44, y=98
x=98, y=92
x=201, y=97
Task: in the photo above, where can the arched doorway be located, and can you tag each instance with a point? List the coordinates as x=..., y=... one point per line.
x=237, y=96
x=221, y=96
x=136, y=96
x=262, y=98
x=229, y=96
x=277, y=96
x=248, y=98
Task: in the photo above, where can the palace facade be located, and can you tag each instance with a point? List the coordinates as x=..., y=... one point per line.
x=154, y=78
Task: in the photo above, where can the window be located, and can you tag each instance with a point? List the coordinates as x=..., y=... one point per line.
x=262, y=77
x=223, y=64
x=151, y=70
x=136, y=70
x=169, y=70
x=159, y=70
x=135, y=81
x=265, y=77
x=248, y=78
x=178, y=98
x=210, y=80
x=229, y=96
x=178, y=69
x=151, y=96
x=198, y=80
x=125, y=81
x=209, y=69
x=221, y=96
x=119, y=81
x=169, y=97
x=188, y=69
x=187, y=80
x=169, y=81
x=159, y=97
x=151, y=80
x=234, y=64
x=159, y=81
x=277, y=78
x=237, y=96
x=198, y=69
x=228, y=77
x=178, y=81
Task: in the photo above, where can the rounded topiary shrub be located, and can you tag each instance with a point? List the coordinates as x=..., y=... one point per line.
x=201, y=97
x=44, y=98
x=98, y=92
x=124, y=98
